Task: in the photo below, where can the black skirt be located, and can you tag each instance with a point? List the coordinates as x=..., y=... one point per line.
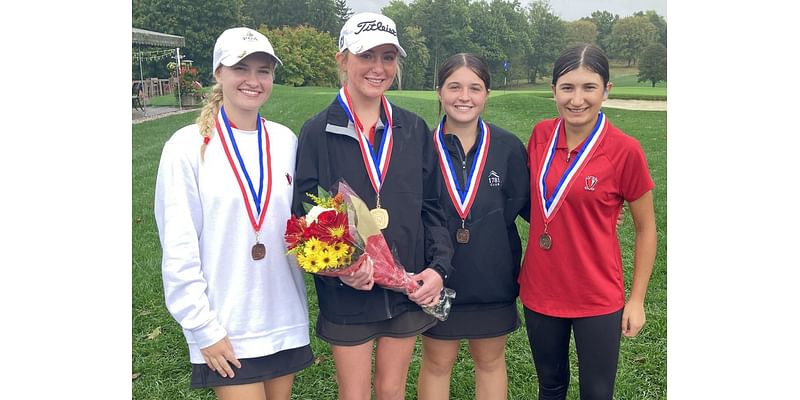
x=257, y=369
x=481, y=322
x=407, y=324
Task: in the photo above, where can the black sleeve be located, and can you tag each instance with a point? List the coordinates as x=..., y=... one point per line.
x=306, y=177
x=438, y=247
x=518, y=190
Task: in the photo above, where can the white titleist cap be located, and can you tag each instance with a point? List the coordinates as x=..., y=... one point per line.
x=237, y=43
x=364, y=31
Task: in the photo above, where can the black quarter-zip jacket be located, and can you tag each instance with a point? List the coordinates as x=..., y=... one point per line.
x=328, y=151
x=487, y=267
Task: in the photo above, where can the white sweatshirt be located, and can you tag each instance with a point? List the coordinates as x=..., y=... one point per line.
x=212, y=286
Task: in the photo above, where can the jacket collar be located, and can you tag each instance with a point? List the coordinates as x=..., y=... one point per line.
x=337, y=121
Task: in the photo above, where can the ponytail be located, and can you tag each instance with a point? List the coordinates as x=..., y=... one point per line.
x=208, y=116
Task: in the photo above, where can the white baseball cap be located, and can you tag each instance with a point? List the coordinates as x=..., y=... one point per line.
x=366, y=30
x=237, y=43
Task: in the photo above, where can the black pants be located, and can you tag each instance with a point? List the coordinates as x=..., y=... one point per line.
x=597, y=345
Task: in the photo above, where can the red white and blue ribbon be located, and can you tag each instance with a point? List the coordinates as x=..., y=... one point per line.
x=377, y=163
x=258, y=206
x=551, y=205
x=462, y=198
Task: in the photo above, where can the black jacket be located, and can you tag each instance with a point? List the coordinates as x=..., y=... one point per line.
x=327, y=151
x=488, y=265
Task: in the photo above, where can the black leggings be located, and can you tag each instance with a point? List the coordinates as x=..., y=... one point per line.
x=597, y=345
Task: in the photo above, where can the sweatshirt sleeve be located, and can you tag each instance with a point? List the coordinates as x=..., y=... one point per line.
x=518, y=190
x=179, y=219
x=438, y=247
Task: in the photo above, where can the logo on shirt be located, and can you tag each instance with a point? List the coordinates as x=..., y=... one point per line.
x=590, y=182
x=494, y=179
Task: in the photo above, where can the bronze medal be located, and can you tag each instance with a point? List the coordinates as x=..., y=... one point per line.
x=381, y=217
x=545, y=241
x=259, y=251
x=462, y=235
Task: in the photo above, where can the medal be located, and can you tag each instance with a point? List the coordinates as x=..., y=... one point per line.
x=261, y=202
x=545, y=241
x=462, y=235
x=462, y=199
x=381, y=217
x=551, y=205
x=258, y=251
x=376, y=163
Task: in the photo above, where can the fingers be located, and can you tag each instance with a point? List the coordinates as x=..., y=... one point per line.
x=220, y=356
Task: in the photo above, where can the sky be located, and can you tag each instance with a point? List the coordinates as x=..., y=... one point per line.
x=568, y=10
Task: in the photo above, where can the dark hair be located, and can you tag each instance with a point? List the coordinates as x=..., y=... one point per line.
x=456, y=61
x=584, y=55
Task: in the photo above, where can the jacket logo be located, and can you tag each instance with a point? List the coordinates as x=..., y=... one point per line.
x=494, y=179
x=590, y=182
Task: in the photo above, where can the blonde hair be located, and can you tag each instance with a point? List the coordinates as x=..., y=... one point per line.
x=208, y=116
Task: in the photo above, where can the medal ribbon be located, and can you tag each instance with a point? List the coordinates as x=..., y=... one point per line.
x=260, y=205
x=550, y=206
x=462, y=198
x=377, y=164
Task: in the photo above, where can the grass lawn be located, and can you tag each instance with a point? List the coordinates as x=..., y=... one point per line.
x=160, y=356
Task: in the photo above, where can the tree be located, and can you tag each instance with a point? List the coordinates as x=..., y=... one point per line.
x=199, y=21
x=306, y=54
x=581, y=31
x=604, y=21
x=659, y=22
x=653, y=64
x=629, y=37
x=416, y=62
x=548, y=34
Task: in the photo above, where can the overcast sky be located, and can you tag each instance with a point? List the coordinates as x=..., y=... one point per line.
x=568, y=10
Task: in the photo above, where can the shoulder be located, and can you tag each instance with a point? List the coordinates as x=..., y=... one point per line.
x=405, y=117
x=281, y=131
x=189, y=134
x=620, y=140
x=543, y=130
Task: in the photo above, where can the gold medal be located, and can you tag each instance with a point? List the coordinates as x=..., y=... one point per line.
x=258, y=251
x=381, y=217
x=545, y=241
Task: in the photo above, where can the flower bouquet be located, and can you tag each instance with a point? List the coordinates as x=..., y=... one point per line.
x=338, y=235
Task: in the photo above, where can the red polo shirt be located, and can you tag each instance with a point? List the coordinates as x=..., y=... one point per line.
x=581, y=275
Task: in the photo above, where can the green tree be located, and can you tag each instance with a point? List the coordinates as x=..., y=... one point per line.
x=548, y=37
x=500, y=33
x=653, y=64
x=659, y=22
x=581, y=31
x=629, y=37
x=307, y=56
x=200, y=22
x=604, y=21
x=416, y=62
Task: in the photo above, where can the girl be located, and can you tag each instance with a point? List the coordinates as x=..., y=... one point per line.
x=385, y=154
x=486, y=186
x=227, y=279
x=582, y=170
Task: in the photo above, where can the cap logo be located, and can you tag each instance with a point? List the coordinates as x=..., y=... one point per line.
x=366, y=26
x=248, y=36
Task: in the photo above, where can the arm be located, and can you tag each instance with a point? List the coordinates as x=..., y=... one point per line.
x=179, y=219
x=438, y=247
x=633, y=317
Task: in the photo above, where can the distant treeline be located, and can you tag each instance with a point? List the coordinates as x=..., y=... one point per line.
x=305, y=32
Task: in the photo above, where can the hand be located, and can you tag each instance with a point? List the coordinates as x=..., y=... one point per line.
x=219, y=356
x=361, y=277
x=430, y=288
x=633, y=319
